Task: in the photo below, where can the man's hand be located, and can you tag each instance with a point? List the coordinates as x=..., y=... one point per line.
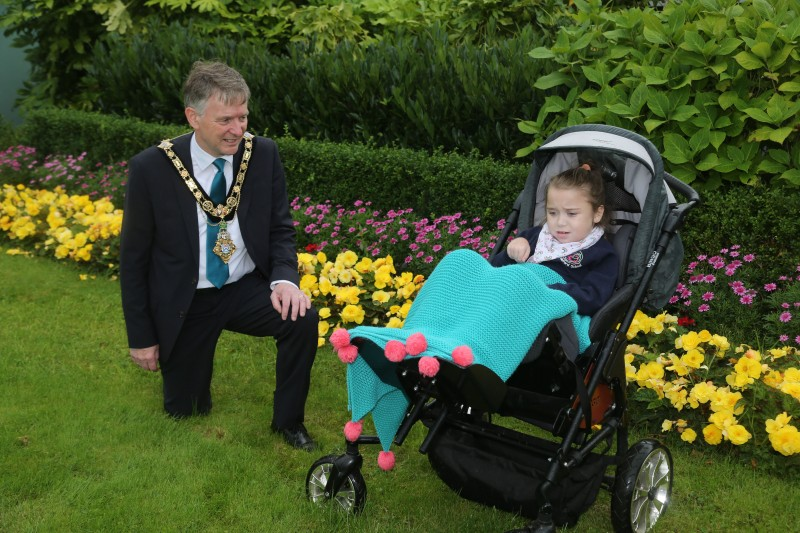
x=146, y=358
x=519, y=249
x=287, y=298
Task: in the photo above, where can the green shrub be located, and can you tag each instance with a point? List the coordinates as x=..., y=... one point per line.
x=442, y=183
x=713, y=83
x=59, y=36
x=8, y=135
x=105, y=138
x=410, y=90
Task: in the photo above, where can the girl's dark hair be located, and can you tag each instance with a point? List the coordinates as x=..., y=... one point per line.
x=588, y=177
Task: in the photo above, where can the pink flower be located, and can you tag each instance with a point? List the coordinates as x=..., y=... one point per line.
x=708, y=296
x=786, y=316
x=750, y=258
x=769, y=287
x=783, y=338
x=747, y=299
x=704, y=308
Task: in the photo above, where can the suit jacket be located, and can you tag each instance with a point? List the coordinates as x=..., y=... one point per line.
x=160, y=249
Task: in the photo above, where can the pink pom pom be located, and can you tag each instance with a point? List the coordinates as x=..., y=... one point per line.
x=352, y=430
x=347, y=354
x=428, y=366
x=340, y=338
x=386, y=460
x=416, y=344
x=395, y=351
x=462, y=356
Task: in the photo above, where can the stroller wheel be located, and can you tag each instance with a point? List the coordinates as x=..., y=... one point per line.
x=352, y=493
x=642, y=487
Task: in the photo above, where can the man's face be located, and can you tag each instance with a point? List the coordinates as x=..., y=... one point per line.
x=220, y=128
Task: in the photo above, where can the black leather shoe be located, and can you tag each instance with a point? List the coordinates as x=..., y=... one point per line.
x=297, y=437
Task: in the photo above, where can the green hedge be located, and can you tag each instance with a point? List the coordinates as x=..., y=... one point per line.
x=762, y=220
x=391, y=178
x=410, y=90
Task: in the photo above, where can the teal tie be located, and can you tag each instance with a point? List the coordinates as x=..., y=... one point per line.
x=216, y=269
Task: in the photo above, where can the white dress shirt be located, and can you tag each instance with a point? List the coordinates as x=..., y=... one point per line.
x=204, y=171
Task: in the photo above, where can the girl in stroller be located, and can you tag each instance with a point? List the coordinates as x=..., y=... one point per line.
x=571, y=241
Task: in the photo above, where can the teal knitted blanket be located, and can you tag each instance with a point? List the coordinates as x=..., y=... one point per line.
x=497, y=312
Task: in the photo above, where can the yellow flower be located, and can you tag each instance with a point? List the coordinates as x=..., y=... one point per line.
x=688, y=341
x=693, y=358
x=322, y=258
x=322, y=327
x=308, y=284
x=320, y=342
x=722, y=419
x=348, y=295
x=725, y=400
x=666, y=425
x=383, y=276
x=704, y=336
x=348, y=258
x=84, y=253
x=364, y=265
x=738, y=435
x=721, y=343
x=712, y=434
x=792, y=375
x=325, y=286
x=345, y=276
x=380, y=297
x=777, y=353
x=774, y=424
x=352, y=313
x=773, y=378
x=786, y=440
x=324, y=313
x=702, y=391
x=394, y=322
x=792, y=389
x=688, y=435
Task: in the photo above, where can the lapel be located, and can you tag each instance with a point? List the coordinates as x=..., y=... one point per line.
x=244, y=200
x=186, y=202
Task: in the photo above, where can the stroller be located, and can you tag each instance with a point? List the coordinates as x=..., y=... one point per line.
x=570, y=399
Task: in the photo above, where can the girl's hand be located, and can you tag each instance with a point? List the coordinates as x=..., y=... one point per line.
x=519, y=249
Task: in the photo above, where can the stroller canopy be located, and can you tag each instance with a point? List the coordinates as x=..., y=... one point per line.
x=636, y=192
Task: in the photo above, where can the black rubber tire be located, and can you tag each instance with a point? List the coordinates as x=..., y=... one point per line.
x=642, y=487
x=352, y=495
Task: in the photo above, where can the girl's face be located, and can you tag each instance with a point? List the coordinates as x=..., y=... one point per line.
x=570, y=215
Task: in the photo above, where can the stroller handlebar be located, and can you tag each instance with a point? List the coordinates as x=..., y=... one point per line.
x=678, y=213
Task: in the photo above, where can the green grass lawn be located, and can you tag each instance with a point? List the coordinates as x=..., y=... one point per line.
x=84, y=445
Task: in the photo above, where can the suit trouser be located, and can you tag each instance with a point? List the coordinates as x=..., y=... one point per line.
x=243, y=306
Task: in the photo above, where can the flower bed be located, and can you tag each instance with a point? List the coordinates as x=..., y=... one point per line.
x=694, y=383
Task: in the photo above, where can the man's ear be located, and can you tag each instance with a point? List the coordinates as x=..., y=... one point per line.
x=192, y=116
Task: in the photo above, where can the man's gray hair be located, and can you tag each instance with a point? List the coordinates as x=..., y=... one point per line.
x=213, y=78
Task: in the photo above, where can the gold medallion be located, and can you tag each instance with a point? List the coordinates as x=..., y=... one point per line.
x=224, y=247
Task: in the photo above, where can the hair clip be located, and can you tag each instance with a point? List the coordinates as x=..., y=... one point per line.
x=586, y=166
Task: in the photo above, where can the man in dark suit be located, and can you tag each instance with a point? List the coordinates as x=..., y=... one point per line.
x=208, y=244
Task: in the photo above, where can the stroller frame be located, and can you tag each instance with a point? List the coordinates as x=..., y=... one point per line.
x=586, y=409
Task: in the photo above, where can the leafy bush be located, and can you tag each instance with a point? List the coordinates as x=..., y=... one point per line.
x=712, y=82
x=104, y=138
x=442, y=183
x=59, y=37
x=409, y=90
x=763, y=220
x=728, y=292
